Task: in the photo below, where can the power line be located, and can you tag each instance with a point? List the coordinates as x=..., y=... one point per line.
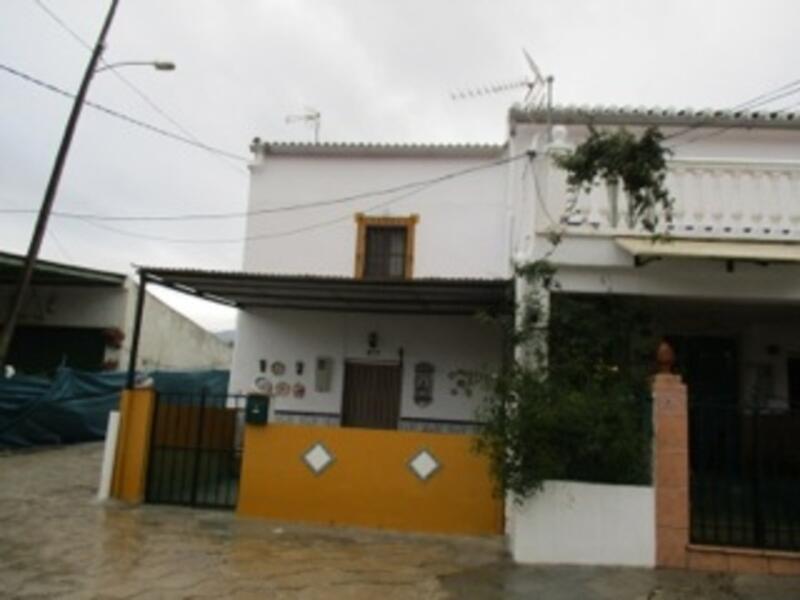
x=268, y=236
x=782, y=91
x=122, y=116
x=416, y=187
x=128, y=83
x=721, y=130
x=284, y=208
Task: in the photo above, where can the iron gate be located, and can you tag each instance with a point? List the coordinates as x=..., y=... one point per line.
x=745, y=476
x=195, y=450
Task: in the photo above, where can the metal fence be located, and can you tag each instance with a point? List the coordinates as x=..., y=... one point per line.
x=196, y=450
x=745, y=476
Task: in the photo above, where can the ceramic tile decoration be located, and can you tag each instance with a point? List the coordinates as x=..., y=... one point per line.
x=318, y=458
x=278, y=368
x=423, y=383
x=424, y=465
x=263, y=384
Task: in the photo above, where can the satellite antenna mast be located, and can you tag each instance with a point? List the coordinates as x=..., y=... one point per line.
x=540, y=89
x=312, y=116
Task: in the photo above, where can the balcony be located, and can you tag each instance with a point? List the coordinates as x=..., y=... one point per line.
x=725, y=198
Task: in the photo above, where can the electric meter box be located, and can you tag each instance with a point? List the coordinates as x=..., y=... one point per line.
x=323, y=374
x=257, y=410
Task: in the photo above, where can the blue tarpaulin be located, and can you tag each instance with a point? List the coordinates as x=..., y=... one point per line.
x=74, y=405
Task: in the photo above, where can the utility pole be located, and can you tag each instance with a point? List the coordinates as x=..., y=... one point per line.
x=50, y=193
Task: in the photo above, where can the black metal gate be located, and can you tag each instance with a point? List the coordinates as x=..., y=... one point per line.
x=195, y=450
x=745, y=476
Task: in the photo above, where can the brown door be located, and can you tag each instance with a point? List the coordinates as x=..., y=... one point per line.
x=371, y=395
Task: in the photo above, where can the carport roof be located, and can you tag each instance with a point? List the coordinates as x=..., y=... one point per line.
x=435, y=296
x=52, y=273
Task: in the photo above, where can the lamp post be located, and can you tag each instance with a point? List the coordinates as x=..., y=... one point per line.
x=55, y=177
x=158, y=65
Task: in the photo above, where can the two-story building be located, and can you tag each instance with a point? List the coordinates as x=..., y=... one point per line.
x=367, y=267
x=371, y=318
x=723, y=286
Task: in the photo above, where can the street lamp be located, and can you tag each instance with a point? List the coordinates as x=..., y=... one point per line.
x=158, y=65
x=55, y=176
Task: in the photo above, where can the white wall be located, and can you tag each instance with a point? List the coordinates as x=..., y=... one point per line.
x=71, y=306
x=462, y=229
x=449, y=343
x=584, y=524
x=742, y=185
x=597, y=265
x=169, y=339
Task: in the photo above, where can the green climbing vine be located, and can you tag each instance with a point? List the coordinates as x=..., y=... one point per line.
x=639, y=164
x=574, y=403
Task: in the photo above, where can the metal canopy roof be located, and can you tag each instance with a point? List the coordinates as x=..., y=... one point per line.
x=765, y=252
x=312, y=292
x=51, y=273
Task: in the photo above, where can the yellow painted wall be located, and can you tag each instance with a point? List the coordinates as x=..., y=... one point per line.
x=370, y=482
x=133, y=445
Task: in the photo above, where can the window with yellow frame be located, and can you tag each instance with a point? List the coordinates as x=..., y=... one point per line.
x=385, y=247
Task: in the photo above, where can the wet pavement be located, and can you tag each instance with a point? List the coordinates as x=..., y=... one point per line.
x=56, y=542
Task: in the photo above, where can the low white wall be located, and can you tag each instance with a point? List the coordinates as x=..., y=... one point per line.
x=585, y=524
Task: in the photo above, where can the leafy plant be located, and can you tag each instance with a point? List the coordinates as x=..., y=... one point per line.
x=574, y=404
x=619, y=157
x=580, y=411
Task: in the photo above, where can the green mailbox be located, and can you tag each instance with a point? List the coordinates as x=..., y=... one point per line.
x=256, y=409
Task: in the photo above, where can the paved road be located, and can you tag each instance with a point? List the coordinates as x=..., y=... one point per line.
x=55, y=542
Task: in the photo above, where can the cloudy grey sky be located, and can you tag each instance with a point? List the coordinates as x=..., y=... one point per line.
x=378, y=70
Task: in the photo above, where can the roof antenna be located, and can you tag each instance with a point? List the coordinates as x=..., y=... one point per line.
x=548, y=93
x=311, y=116
x=535, y=83
x=540, y=90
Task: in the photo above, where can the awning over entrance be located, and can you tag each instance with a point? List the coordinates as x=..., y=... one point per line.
x=643, y=247
x=431, y=296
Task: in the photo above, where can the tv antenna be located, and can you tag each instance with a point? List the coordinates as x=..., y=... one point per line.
x=312, y=117
x=540, y=88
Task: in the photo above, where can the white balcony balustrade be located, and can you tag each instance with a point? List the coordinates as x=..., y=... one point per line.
x=712, y=198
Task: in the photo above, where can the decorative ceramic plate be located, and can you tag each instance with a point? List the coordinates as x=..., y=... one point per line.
x=278, y=368
x=283, y=389
x=299, y=390
x=263, y=384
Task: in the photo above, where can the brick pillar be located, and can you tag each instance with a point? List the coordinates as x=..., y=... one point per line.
x=671, y=469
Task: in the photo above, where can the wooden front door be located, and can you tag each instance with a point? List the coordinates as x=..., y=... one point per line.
x=371, y=395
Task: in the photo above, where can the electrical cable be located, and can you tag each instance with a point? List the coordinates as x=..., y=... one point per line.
x=129, y=84
x=277, y=209
x=267, y=236
x=119, y=115
x=788, y=89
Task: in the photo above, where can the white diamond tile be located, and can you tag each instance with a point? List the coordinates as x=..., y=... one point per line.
x=318, y=458
x=424, y=465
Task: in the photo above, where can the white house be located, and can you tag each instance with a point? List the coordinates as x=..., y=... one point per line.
x=83, y=318
x=430, y=256
x=726, y=286
x=366, y=267
x=726, y=283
